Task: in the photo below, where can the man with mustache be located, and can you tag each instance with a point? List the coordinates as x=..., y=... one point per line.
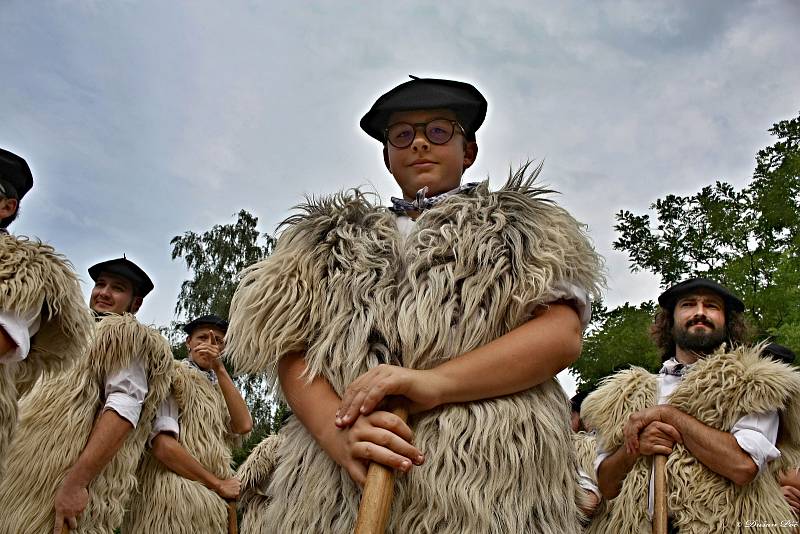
x=714, y=409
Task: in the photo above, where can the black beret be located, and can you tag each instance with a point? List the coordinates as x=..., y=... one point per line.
x=778, y=352
x=126, y=268
x=15, y=175
x=211, y=320
x=463, y=99
x=669, y=297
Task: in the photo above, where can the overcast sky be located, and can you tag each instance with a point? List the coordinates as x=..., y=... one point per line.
x=145, y=119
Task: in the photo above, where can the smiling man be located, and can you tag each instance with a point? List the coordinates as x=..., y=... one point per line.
x=714, y=409
x=81, y=432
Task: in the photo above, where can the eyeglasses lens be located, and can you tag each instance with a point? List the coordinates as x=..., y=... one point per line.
x=402, y=134
x=439, y=132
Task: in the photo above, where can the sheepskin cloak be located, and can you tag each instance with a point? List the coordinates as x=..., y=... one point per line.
x=255, y=473
x=718, y=391
x=167, y=502
x=345, y=287
x=33, y=275
x=56, y=418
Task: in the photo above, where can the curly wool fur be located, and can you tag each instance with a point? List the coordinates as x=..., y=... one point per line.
x=346, y=287
x=56, y=418
x=718, y=391
x=34, y=276
x=255, y=474
x=204, y=434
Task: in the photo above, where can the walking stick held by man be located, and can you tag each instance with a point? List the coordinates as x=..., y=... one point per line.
x=376, y=499
x=233, y=521
x=660, y=494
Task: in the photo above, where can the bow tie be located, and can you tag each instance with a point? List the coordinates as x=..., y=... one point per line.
x=674, y=370
x=401, y=206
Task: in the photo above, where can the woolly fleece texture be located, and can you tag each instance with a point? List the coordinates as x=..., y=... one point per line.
x=255, y=474
x=33, y=275
x=345, y=287
x=56, y=418
x=718, y=391
x=168, y=502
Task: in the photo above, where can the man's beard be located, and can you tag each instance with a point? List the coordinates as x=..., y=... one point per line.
x=703, y=342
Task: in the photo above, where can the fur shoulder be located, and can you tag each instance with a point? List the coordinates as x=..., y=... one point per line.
x=118, y=338
x=257, y=469
x=618, y=396
x=552, y=246
x=754, y=384
x=271, y=310
x=33, y=275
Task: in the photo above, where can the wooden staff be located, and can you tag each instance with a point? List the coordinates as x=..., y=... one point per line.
x=233, y=522
x=660, y=494
x=376, y=499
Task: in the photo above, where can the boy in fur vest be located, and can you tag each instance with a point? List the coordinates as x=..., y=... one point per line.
x=81, y=432
x=44, y=323
x=478, y=298
x=187, y=473
x=714, y=409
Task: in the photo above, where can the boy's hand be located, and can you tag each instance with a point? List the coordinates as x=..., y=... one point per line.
x=378, y=437
x=367, y=391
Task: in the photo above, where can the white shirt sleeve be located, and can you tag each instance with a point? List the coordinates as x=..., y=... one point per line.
x=757, y=434
x=167, y=419
x=586, y=482
x=579, y=298
x=20, y=327
x=125, y=391
x=601, y=455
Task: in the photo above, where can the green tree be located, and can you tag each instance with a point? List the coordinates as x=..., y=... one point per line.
x=214, y=259
x=748, y=239
x=616, y=339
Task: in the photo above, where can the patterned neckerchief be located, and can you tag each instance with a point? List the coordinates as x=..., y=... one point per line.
x=210, y=374
x=674, y=367
x=421, y=203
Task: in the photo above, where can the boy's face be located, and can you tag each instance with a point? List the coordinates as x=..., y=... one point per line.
x=439, y=167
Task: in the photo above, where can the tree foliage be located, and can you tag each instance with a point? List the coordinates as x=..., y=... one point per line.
x=214, y=260
x=616, y=339
x=748, y=239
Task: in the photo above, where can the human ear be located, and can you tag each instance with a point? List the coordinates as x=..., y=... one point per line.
x=386, y=158
x=136, y=304
x=470, y=154
x=8, y=207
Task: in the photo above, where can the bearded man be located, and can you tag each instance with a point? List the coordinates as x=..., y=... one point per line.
x=714, y=409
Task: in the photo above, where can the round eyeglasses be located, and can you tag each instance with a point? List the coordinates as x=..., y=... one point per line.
x=437, y=131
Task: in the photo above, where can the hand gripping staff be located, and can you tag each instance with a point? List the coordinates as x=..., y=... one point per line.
x=376, y=499
x=660, y=494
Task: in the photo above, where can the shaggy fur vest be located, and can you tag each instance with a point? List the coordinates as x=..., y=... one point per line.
x=718, y=391
x=34, y=275
x=56, y=418
x=345, y=287
x=167, y=502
